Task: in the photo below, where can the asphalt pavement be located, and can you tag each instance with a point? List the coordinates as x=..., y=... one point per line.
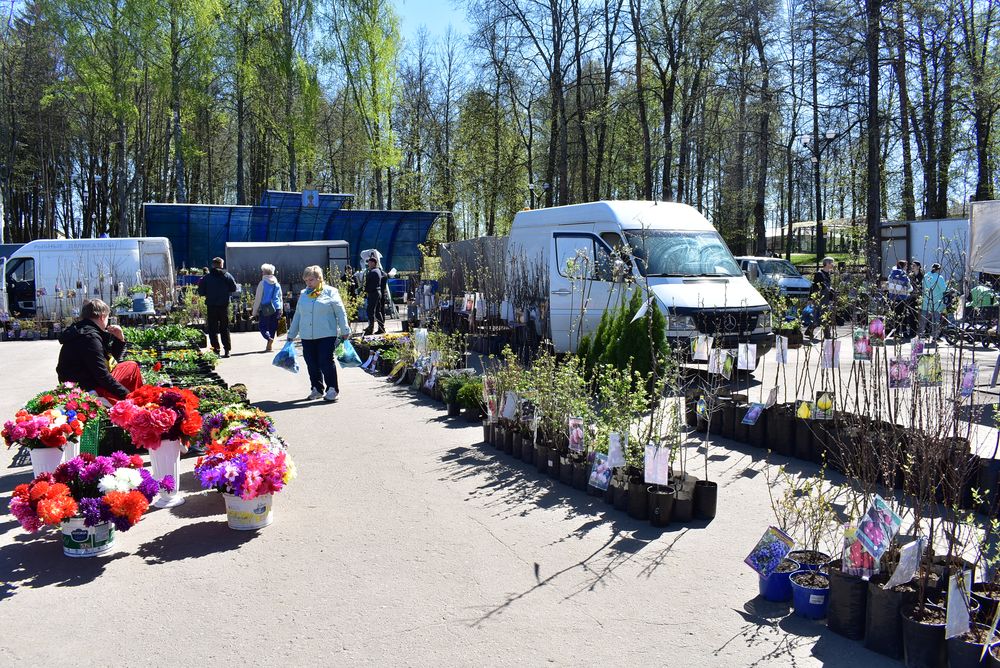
x=405, y=541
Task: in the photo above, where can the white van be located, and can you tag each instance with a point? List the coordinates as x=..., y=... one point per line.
x=53, y=277
x=669, y=247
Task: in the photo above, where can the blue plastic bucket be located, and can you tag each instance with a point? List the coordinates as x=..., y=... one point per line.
x=808, y=602
x=776, y=586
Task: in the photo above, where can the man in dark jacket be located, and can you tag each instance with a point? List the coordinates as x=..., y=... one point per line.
x=373, y=287
x=824, y=297
x=88, y=345
x=217, y=288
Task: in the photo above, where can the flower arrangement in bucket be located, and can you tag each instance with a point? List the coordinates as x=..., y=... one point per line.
x=248, y=469
x=50, y=425
x=232, y=420
x=162, y=420
x=89, y=497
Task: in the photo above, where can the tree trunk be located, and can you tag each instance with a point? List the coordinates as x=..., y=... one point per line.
x=635, y=7
x=909, y=206
x=873, y=10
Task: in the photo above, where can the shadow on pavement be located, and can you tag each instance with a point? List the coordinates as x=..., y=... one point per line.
x=11, y=480
x=277, y=406
x=39, y=562
x=192, y=541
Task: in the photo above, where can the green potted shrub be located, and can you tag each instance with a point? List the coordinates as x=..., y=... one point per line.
x=470, y=398
x=452, y=386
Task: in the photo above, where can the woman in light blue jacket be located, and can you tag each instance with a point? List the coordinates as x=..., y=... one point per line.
x=320, y=320
x=930, y=312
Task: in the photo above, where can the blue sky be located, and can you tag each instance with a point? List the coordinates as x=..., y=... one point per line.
x=435, y=15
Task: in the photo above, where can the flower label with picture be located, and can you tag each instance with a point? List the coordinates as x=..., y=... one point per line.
x=577, y=434
x=862, y=345
x=876, y=331
x=823, y=406
x=616, y=454
x=753, y=414
x=929, y=372
x=772, y=547
x=878, y=527
x=969, y=376
x=600, y=472
x=899, y=372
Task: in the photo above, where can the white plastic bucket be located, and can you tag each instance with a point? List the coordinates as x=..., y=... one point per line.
x=71, y=450
x=45, y=460
x=245, y=515
x=166, y=461
x=83, y=541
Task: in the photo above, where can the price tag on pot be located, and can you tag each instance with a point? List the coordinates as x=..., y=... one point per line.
x=957, y=620
x=816, y=599
x=616, y=455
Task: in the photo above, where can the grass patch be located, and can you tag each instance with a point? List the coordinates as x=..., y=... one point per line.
x=810, y=258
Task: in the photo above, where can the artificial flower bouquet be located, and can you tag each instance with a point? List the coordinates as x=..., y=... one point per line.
x=52, y=419
x=113, y=489
x=247, y=465
x=152, y=414
x=235, y=420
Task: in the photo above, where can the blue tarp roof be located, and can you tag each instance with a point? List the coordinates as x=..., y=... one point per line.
x=199, y=232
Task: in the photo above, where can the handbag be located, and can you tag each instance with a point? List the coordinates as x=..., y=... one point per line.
x=267, y=309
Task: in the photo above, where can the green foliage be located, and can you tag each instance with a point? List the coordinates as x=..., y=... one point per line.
x=471, y=394
x=558, y=390
x=152, y=336
x=452, y=386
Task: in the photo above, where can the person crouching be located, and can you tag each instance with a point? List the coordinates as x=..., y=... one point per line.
x=90, y=354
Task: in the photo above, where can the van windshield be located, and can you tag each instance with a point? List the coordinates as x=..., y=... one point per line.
x=681, y=253
x=778, y=268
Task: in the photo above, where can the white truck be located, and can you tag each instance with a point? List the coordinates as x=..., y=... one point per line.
x=586, y=251
x=53, y=277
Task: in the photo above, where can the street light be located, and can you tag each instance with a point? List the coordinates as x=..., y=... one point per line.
x=816, y=151
x=540, y=186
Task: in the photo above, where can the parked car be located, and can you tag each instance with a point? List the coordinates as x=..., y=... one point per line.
x=778, y=273
x=586, y=250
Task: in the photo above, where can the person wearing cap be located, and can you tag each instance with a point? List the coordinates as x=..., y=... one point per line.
x=933, y=302
x=374, y=279
x=898, y=288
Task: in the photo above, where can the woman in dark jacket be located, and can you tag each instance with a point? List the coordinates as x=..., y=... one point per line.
x=88, y=348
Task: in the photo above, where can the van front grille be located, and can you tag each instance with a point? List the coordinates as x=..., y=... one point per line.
x=741, y=321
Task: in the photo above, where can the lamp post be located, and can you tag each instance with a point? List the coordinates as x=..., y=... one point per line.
x=816, y=151
x=538, y=186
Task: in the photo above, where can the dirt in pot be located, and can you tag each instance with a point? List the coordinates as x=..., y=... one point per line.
x=809, y=557
x=931, y=614
x=786, y=566
x=812, y=580
x=977, y=635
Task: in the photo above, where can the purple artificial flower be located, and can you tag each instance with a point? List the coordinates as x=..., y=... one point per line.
x=121, y=523
x=167, y=484
x=121, y=460
x=148, y=487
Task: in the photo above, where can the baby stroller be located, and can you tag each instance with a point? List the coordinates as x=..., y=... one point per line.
x=978, y=326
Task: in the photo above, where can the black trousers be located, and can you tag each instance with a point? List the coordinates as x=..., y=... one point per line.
x=217, y=321
x=376, y=311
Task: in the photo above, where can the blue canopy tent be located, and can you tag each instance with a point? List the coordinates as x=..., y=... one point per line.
x=199, y=232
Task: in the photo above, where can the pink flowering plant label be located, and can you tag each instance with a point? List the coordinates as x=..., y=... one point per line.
x=878, y=527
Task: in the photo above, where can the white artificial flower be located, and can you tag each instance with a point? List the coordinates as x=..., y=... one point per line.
x=109, y=483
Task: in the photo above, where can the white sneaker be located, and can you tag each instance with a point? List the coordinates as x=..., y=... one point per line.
x=314, y=395
x=331, y=395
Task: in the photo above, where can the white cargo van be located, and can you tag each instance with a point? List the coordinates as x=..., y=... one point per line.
x=669, y=247
x=52, y=277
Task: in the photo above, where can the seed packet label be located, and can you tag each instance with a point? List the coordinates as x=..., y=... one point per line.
x=781, y=349
x=576, y=434
x=772, y=547
x=721, y=362
x=747, y=356
x=862, y=344
x=969, y=377
x=899, y=372
x=909, y=559
x=830, y=354
x=929, y=372
x=816, y=599
x=753, y=414
x=657, y=465
x=701, y=408
x=702, y=346
x=509, y=406
x=600, y=472
x=876, y=331
x=854, y=559
x=878, y=527
x=957, y=617
x=616, y=455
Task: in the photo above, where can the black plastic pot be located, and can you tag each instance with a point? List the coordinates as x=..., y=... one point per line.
x=553, y=467
x=609, y=494
x=472, y=414
x=988, y=601
x=541, y=458
x=637, y=499
x=963, y=653
x=581, y=472
x=508, y=441
x=619, y=491
x=706, y=495
x=757, y=432
x=741, y=432
x=527, y=450
x=454, y=410
x=486, y=432
x=726, y=417
x=803, y=440
x=781, y=431
x=683, y=507
x=847, y=611
x=924, y=644
x=565, y=471
x=515, y=447
x=499, y=434
x=661, y=504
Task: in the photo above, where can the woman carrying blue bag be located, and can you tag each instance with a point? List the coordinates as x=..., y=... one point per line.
x=320, y=320
x=267, y=304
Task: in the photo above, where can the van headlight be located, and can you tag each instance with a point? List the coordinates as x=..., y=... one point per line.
x=681, y=323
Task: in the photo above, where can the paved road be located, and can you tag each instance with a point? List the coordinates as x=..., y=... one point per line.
x=404, y=541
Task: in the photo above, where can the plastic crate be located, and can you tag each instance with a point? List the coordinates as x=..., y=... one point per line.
x=90, y=440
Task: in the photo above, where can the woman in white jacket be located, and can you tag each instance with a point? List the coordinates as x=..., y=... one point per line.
x=267, y=304
x=320, y=320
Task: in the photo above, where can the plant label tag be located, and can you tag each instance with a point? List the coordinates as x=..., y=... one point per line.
x=772, y=397
x=772, y=547
x=909, y=559
x=830, y=354
x=576, y=434
x=657, y=465
x=816, y=599
x=781, y=349
x=877, y=528
x=702, y=345
x=509, y=406
x=957, y=620
x=747, y=360
x=616, y=456
x=600, y=472
x=367, y=363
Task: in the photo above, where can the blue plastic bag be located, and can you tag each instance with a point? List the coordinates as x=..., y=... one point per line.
x=285, y=359
x=347, y=355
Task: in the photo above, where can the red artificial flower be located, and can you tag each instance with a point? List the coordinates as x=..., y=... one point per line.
x=157, y=366
x=130, y=505
x=55, y=510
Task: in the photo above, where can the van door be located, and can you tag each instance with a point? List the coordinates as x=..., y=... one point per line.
x=581, y=286
x=20, y=277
